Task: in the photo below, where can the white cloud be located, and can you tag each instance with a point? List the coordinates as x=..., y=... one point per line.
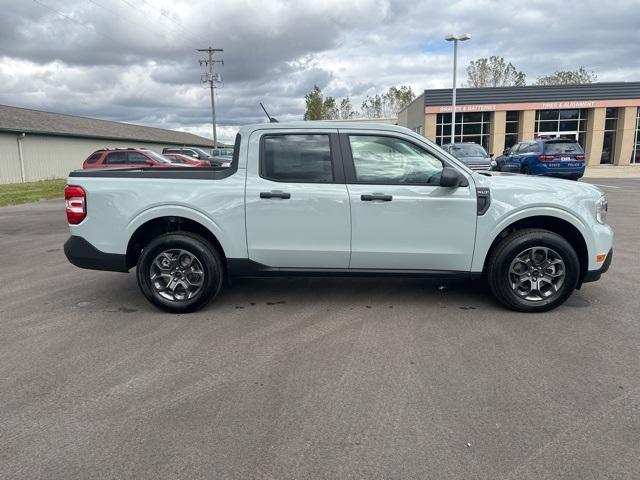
x=136, y=61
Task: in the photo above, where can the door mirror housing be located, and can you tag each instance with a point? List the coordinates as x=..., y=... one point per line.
x=506, y=151
x=452, y=178
x=491, y=155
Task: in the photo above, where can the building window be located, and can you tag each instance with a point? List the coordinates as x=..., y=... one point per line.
x=511, y=129
x=609, y=141
x=470, y=127
x=635, y=159
x=419, y=130
x=570, y=123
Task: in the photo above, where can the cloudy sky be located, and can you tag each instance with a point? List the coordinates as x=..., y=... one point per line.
x=135, y=60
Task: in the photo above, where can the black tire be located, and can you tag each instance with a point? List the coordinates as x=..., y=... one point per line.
x=525, y=170
x=199, y=248
x=498, y=268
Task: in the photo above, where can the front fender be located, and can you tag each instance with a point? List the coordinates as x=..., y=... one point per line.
x=489, y=229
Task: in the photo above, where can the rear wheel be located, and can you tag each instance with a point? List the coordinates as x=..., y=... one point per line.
x=525, y=170
x=180, y=272
x=533, y=270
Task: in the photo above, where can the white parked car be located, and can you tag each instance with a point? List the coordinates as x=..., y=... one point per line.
x=322, y=199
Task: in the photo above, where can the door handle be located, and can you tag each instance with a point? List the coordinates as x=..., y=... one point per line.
x=376, y=196
x=277, y=194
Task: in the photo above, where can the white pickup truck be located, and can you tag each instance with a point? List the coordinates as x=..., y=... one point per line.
x=337, y=199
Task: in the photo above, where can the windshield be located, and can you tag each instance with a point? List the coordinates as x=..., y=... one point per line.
x=470, y=150
x=563, y=147
x=157, y=157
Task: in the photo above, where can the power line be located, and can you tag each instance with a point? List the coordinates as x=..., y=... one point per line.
x=77, y=22
x=173, y=20
x=155, y=32
x=163, y=25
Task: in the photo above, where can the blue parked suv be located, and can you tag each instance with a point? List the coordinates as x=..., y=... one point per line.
x=557, y=157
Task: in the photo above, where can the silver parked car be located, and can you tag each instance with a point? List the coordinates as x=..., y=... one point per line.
x=471, y=154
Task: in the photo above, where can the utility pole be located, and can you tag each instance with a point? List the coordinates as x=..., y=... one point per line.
x=212, y=80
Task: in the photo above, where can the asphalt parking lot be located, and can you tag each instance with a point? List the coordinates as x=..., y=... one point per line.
x=313, y=378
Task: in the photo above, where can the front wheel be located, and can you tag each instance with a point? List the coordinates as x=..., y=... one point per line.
x=525, y=170
x=533, y=270
x=180, y=272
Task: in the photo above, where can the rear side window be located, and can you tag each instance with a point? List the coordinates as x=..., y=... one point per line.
x=563, y=147
x=297, y=158
x=116, y=158
x=94, y=158
x=532, y=148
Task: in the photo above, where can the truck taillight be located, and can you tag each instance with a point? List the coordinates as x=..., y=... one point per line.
x=76, y=203
x=579, y=157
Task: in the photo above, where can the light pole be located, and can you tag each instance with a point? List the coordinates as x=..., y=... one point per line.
x=455, y=39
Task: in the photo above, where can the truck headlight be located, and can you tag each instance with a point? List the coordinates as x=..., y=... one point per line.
x=601, y=209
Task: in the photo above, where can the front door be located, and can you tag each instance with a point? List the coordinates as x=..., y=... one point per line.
x=297, y=203
x=401, y=218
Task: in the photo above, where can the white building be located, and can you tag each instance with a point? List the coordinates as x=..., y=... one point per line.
x=36, y=145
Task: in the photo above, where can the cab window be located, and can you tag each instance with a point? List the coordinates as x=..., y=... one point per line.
x=392, y=161
x=297, y=158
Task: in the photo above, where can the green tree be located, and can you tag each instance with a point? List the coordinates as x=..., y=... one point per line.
x=320, y=107
x=494, y=72
x=568, y=77
x=389, y=103
x=346, y=109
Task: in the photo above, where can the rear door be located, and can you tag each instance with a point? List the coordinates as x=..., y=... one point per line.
x=402, y=219
x=297, y=205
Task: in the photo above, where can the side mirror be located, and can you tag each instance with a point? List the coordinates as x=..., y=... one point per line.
x=491, y=155
x=452, y=178
x=506, y=151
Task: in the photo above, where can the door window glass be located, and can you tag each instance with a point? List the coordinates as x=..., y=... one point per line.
x=116, y=158
x=135, y=157
x=297, y=158
x=390, y=160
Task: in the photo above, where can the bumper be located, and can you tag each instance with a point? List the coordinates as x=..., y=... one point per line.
x=541, y=169
x=84, y=255
x=594, y=275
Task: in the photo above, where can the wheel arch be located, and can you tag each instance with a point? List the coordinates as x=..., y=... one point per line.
x=167, y=224
x=557, y=225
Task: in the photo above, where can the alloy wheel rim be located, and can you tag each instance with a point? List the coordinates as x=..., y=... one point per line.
x=537, y=273
x=176, y=275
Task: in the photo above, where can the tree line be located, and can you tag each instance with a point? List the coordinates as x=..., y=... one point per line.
x=321, y=107
x=490, y=71
x=495, y=71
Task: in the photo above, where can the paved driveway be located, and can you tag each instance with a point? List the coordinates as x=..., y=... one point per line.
x=313, y=378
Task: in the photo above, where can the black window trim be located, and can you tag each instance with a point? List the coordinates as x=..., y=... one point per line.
x=349, y=166
x=334, y=151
